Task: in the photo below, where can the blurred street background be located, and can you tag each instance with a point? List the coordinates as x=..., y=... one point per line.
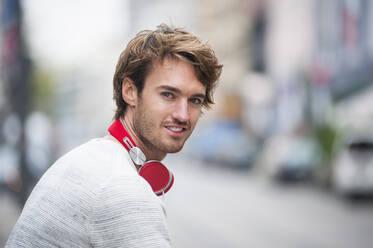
x=284, y=159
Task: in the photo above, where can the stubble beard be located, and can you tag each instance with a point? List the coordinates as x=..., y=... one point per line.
x=145, y=127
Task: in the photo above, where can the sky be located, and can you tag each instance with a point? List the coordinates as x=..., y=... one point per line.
x=61, y=33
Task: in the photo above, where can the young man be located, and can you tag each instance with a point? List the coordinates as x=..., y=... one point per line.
x=105, y=192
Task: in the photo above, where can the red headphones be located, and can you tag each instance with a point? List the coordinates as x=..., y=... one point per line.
x=154, y=172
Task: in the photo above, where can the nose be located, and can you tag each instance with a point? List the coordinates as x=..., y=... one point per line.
x=181, y=111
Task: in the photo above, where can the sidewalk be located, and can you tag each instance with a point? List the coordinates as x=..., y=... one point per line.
x=9, y=212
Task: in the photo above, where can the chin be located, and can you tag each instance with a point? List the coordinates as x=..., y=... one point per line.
x=173, y=148
x=174, y=151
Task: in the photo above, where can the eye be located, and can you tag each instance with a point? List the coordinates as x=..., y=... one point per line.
x=196, y=101
x=167, y=95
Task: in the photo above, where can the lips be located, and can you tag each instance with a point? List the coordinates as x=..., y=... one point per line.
x=176, y=130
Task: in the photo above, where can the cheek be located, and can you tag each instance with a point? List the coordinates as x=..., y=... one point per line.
x=194, y=116
x=151, y=105
x=158, y=111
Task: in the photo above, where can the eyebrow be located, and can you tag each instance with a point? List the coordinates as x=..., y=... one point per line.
x=176, y=90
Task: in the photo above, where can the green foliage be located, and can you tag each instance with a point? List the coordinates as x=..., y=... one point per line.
x=329, y=139
x=42, y=91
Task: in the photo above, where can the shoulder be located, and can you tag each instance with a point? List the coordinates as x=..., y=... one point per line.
x=78, y=177
x=104, y=170
x=96, y=158
x=95, y=150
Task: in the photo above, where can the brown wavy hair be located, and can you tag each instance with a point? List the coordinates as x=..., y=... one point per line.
x=149, y=46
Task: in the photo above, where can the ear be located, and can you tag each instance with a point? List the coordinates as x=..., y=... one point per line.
x=129, y=92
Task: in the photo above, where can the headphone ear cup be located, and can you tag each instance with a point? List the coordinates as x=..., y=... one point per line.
x=158, y=176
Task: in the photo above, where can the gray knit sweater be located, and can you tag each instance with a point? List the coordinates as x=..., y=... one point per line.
x=92, y=197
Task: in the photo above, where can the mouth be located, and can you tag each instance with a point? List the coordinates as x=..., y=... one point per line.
x=175, y=130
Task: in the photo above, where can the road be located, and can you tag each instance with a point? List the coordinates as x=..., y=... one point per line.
x=210, y=207
x=214, y=207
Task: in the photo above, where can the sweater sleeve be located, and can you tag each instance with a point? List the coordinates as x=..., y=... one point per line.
x=126, y=213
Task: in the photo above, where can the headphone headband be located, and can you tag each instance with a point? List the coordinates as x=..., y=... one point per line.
x=120, y=133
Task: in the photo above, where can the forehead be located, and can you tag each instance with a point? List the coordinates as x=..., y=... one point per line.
x=175, y=73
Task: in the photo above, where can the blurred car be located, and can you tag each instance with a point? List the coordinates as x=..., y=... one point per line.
x=223, y=142
x=353, y=169
x=300, y=162
x=289, y=158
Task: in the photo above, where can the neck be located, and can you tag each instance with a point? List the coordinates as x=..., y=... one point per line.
x=150, y=151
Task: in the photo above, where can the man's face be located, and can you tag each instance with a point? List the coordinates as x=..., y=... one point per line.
x=169, y=106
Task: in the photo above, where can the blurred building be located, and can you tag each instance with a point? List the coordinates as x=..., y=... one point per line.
x=313, y=52
x=14, y=106
x=344, y=59
x=318, y=58
x=289, y=45
x=344, y=45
